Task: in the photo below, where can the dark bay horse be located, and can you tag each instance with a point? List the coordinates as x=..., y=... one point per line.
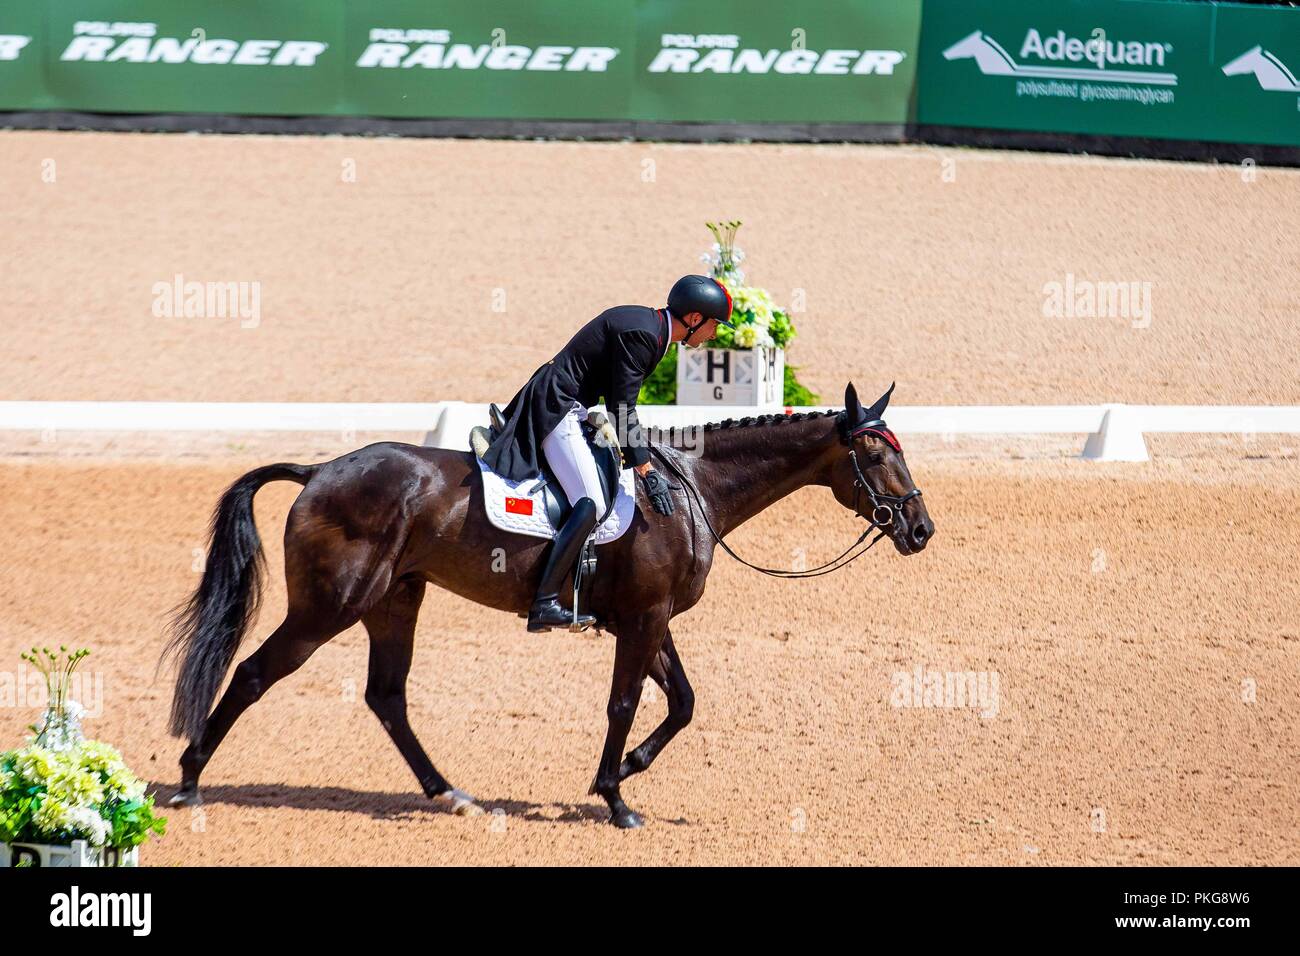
x=372, y=528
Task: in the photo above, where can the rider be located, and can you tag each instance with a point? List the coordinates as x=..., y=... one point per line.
x=610, y=356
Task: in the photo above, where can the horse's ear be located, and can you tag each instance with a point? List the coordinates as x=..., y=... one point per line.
x=853, y=407
x=878, y=410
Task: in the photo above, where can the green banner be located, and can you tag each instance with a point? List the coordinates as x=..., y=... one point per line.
x=544, y=59
x=154, y=56
x=22, y=58
x=1109, y=67
x=1143, y=68
x=666, y=60
x=763, y=61
x=1256, y=53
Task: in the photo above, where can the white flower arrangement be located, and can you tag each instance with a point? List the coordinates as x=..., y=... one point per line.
x=84, y=793
x=759, y=320
x=61, y=788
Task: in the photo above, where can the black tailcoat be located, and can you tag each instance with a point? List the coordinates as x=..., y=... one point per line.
x=609, y=357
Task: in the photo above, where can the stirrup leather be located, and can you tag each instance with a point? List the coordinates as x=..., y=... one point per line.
x=586, y=566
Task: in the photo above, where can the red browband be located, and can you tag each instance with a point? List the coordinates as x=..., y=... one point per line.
x=881, y=432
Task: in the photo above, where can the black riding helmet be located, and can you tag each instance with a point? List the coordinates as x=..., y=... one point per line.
x=701, y=294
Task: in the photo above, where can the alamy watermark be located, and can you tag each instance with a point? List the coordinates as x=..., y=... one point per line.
x=179, y=299
x=1077, y=298
x=923, y=687
x=686, y=439
x=78, y=908
x=27, y=689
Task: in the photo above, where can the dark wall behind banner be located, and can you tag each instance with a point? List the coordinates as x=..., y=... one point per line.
x=1149, y=69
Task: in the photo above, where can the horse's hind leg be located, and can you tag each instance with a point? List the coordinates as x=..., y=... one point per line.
x=391, y=625
x=280, y=655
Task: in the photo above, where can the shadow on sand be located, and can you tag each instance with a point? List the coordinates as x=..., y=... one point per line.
x=377, y=805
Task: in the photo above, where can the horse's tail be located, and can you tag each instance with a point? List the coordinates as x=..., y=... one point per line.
x=206, y=629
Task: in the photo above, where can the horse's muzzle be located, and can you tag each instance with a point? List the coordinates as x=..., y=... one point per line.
x=912, y=536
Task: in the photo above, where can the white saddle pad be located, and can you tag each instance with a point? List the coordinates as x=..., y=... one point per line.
x=518, y=506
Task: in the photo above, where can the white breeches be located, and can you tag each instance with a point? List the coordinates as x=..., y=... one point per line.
x=569, y=456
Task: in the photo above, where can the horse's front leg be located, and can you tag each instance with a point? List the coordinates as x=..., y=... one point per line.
x=638, y=642
x=666, y=670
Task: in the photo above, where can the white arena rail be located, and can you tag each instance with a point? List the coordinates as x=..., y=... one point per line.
x=220, y=416
x=1115, y=432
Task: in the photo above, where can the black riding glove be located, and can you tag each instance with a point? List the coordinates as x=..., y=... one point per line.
x=656, y=486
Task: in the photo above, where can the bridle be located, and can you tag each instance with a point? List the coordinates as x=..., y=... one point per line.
x=881, y=518
x=881, y=503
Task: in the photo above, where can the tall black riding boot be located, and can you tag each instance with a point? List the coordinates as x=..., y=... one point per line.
x=546, y=611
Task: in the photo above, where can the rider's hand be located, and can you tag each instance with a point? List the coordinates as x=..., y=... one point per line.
x=656, y=486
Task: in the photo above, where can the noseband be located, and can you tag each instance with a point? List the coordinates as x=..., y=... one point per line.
x=883, y=506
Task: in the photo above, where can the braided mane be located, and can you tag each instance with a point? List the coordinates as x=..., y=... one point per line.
x=670, y=435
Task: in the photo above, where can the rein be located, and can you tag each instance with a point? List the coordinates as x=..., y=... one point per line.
x=880, y=503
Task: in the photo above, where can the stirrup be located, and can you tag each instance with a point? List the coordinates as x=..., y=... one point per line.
x=585, y=565
x=558, y=617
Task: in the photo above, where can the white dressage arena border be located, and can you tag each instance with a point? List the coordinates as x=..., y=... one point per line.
x=342, y=417
x=1115, y=432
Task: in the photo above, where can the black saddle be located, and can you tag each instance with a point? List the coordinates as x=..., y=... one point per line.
x=609, y=464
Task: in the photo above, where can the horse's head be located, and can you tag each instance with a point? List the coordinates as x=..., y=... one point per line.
x=967, y=46
x=1271, y=72
x=1248, y=62
x=988, y=54
x=872, y=478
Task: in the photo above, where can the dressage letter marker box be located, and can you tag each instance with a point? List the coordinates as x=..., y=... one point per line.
x=754, y=378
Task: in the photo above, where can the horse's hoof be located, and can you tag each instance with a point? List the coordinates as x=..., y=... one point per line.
x=626, y=819
x=458, y=802
x=185, y=797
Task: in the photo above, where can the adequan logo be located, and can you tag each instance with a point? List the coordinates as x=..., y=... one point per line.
x=1270, y=72
x=1103, y=53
